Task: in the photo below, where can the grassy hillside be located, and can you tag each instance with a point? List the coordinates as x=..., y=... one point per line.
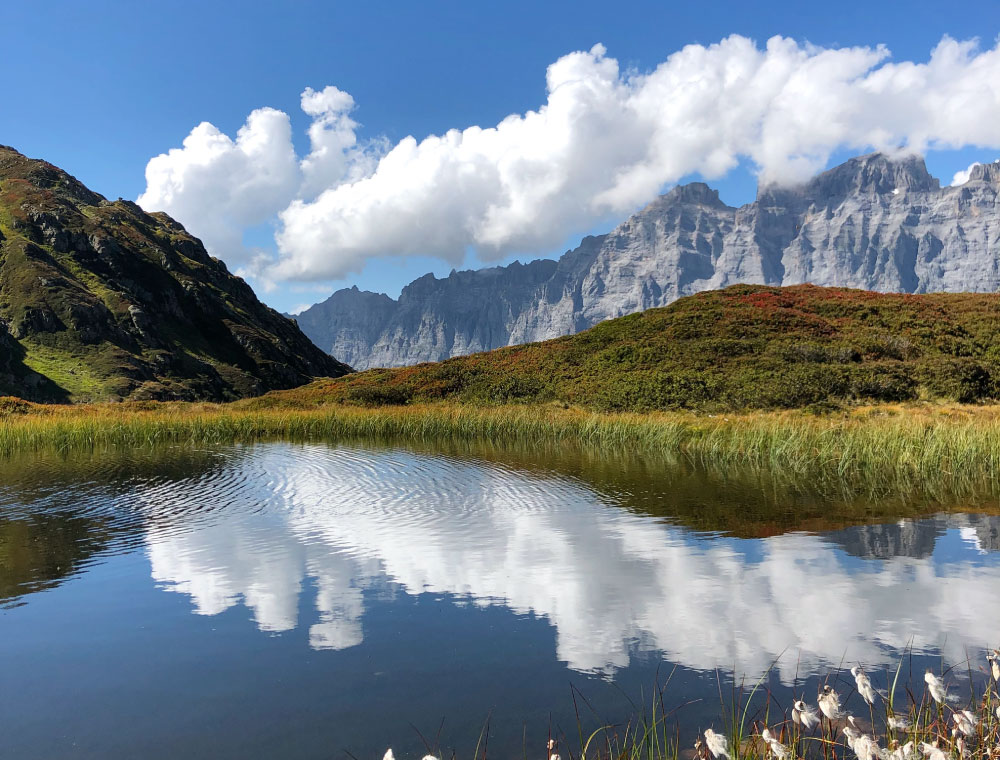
x=745, y=347
x=100, y=300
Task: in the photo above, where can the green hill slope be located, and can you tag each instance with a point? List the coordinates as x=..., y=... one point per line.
x=745, y=347
x=100, y=300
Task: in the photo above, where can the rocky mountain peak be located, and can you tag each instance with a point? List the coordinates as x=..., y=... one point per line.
x=876, y=222
x=100, y=300
x=875, y=173
x=16, y=166
x=989, y=173
x=693, y=192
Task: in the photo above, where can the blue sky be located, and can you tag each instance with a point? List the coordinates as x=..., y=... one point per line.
x=105, y=86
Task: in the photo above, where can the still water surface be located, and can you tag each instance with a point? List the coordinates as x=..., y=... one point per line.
x=298, y=601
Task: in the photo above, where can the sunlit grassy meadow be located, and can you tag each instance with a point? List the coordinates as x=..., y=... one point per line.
x=931, y=445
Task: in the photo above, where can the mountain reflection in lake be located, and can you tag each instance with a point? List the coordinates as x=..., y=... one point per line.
x=581, y=579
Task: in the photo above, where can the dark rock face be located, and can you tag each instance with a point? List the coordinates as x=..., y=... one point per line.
x=874, y=223
x=100, y=300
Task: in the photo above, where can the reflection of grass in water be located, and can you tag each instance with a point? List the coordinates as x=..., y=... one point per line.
x=695, y=471
x=740, y=500
x=941, y=452
x=40, y=551
x=45, y=538
x=905, y=723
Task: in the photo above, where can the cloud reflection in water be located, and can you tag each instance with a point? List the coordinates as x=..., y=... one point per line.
x=611, y=582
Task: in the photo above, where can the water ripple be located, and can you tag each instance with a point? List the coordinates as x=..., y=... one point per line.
x=257, y=525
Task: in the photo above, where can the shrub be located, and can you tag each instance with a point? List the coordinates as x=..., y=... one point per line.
x=958, y=379
x=882, y=382
x=823, y=408
x=380, y=395
x=801, y=351
x=784, y=386
x=652, y=390
x=446, y=379
x=887, y=346
x=10, y=406
x=508, y=388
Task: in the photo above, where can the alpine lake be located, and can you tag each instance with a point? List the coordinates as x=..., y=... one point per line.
x=330, y=600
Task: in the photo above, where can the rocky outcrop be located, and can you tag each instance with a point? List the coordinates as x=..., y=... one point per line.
x=433, y=319
x=100, y=300
x=874, y=222
x=355, y=318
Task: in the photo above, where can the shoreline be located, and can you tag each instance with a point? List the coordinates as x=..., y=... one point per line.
x=898, y=446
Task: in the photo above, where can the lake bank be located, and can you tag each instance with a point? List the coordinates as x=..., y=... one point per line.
x=897, y=446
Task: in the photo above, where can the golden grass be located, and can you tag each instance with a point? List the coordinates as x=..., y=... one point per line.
x=894, y=445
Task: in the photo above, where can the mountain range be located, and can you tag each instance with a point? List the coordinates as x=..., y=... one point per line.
x=738, y=348
x=101, y=301
x=875, y=222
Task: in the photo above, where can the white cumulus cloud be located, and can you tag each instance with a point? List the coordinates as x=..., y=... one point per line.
x=604, y=142
x=335, y=154
x=217, y=186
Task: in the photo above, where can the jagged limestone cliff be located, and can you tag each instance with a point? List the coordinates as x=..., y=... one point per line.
x=874, y=223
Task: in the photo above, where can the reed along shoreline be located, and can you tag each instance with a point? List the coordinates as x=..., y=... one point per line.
x=896, y=445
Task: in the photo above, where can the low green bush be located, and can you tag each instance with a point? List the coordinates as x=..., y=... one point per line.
x=380, y=395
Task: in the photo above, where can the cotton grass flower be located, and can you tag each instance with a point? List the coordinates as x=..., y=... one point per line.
x=906, y=752
x=936, y=687
x=829, y=704
x=805, y=716
x=932, y=751
x=865, y=747
x=717, y=744
x=852, y=735
x=864, y=684
x=779, y=750
x=965, y=722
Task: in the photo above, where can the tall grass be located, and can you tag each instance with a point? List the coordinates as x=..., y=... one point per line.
x=955, y=449
x=898, y=447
